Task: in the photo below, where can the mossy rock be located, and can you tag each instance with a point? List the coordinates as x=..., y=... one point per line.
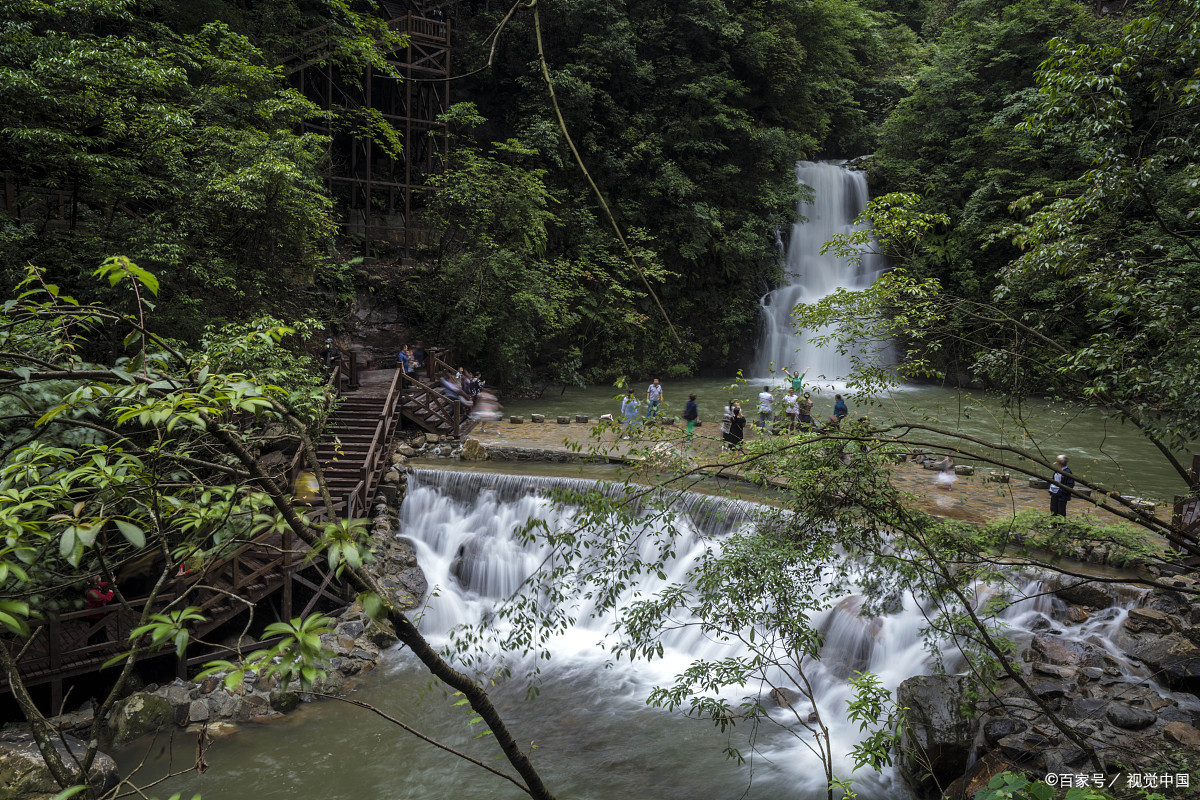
x=25, y=776
x=138, y=714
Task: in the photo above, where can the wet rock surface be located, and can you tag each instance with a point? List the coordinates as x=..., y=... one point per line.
x=939, y=729
x=1128, y=696
x=24, y=774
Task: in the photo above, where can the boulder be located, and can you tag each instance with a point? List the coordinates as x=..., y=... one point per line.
x=997, y=729
x=138, y=714
x=1085, y=593
x=473, y=450
x=937, y=731
x=1076, y=615
x=24, y=774
x=198, y=711
x=432, y=438
x=1175, y=660
x=1148, y=619
x=282, y=701
x=406, y=451
x=1182, y=733
x=1059, y=651
x=783, y=697
x=976, y=779
x=1130, y=718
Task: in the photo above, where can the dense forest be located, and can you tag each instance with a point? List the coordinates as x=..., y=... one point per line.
x=167, y=132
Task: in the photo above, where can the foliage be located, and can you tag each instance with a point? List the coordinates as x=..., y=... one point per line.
x=161, y=485
x=954, y=141
x=152, y=129
x=497, y=293
x=255, y=348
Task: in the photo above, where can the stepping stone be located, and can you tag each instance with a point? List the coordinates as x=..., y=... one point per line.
x=581, y=418
x=516, y=420
x=564, y=420
x=537, y=417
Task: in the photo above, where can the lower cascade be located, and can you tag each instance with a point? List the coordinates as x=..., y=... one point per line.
x=464, y=527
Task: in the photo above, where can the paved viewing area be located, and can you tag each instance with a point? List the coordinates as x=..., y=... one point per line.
x=972, y=499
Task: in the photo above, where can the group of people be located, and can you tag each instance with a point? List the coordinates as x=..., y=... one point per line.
x=797, y=406
x=797, y=403
x=411, y=358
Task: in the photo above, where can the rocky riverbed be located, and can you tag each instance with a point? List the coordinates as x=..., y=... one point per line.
x=1130, y=698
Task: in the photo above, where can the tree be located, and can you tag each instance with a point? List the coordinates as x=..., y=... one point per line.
x=164, y=476
x=151, y=129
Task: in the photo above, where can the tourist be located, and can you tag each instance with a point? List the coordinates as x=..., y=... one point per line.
x=418, y=356
x=654, y=396
x=402, y=364
x=98, y=595
x=765, y=401
x=839, y=408
x=806, y=417
x=737, y=429
x=1059, y=486
x=328, y=354
x=797, y=379
x=791, y=407
x=484, y=409
x=629, y=410
x=691, y=412
x=726, y=418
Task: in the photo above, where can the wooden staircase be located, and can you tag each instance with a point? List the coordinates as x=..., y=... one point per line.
x=358, y=442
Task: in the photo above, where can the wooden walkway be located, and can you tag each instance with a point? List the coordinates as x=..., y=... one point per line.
x=354, y=453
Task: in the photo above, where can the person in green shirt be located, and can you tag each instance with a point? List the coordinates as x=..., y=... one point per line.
x=797, y=378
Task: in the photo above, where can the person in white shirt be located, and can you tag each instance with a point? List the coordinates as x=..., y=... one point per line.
x=765, y=406
x=654, y=396
x=791, y=407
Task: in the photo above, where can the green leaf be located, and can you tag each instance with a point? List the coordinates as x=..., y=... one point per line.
x=132, y=533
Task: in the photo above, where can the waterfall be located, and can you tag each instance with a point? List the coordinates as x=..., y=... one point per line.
x=465, y=528
x=838, y=196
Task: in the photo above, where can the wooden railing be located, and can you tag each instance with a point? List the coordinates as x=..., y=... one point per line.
x=74, y=642
x=378, y=452
x=432, y=403
x=420, y=26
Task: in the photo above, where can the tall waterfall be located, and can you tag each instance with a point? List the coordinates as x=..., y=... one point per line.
x=838, y=196
x=464, y=527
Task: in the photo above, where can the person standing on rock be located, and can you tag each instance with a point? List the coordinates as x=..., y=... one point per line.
x=691, y=413
x=737, y=429
x=797, y=379
x=654, y=396
x=839, y=408
x=1059, y=486
x=791, y=407
x=765, y=406
x=629, y=409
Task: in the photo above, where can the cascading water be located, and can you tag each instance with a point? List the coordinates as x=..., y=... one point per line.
x=463, y=527
x=596, y=738
x=839, y=195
